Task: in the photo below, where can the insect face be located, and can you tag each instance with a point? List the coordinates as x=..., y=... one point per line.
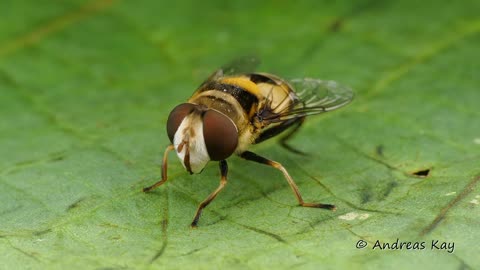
x=200, y=134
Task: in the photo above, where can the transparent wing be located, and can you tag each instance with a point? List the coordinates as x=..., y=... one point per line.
x=314, y=96
x=245, y=64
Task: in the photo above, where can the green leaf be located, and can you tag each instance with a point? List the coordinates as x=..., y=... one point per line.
x=86, y=87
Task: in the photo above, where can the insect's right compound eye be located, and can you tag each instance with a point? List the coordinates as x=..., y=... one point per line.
x=220, y=135
x=176, y=117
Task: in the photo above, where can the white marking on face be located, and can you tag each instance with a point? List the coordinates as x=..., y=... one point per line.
x=189, y=137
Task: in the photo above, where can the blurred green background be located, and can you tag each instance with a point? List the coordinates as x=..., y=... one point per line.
x=86, y=87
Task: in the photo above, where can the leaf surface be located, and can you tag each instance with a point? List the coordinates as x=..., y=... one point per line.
x=86, y=88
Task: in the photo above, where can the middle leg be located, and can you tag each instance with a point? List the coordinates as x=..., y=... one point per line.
x=254, y=157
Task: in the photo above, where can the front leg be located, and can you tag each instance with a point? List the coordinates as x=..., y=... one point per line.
x=164, y=170
x=223, y=181
x=254, y=157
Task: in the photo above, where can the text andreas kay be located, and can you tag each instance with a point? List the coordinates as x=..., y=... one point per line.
x=400, y=245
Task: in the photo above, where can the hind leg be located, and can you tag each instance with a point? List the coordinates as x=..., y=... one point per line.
x=294, y=123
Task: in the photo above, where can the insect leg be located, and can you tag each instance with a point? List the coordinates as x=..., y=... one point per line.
x=164, y=170
x=284, y=139
x=223, y=181
x=274, y=131
x=254, y=157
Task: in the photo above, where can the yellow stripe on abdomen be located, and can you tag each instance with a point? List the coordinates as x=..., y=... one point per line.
x=245, y=83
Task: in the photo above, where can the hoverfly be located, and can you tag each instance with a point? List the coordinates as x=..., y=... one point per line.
x=237, y=107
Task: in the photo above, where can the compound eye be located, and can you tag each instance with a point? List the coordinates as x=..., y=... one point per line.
x=176, y=117
x=220, y=135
